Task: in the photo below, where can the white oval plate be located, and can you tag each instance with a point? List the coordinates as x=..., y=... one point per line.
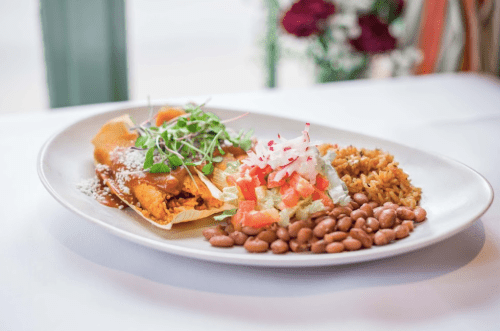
x=454, y=195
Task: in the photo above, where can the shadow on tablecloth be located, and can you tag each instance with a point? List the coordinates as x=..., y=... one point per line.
x=112, y=252
x=375, y=290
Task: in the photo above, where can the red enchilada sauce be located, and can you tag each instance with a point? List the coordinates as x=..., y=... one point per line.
x=126, y=175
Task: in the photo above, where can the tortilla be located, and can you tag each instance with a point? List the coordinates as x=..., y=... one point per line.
x=162, y=199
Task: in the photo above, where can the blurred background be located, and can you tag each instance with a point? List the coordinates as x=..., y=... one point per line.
x=59, y=53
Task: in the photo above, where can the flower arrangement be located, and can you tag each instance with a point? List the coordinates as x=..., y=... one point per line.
x=350, y=39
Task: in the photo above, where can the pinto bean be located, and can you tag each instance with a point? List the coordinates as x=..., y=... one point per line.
x=335, y=247
x=229, y=228
x=351, y=244
x=367, y=209
x=389, y=233
x=293, y=229
x=360, y=198
x=210, y=232
x=387, y=218
x=372, y=224
x=402, y=231
x=325, y=226
x=256, y=245
x=340, y=210
x=405, y=213
x=420, y=214
x=361, y=235
x=335, y=236
x=296, y=247
x=310, y=223
x=409, y=225
x=304, y=235
x=319, y=247
x=360, y=223
x=221, y=241
x=377, y=211
x=268, y=236
x=279, y=246
x=354, y=205
x=282, y=233
x=380, y=239
x=238, y=237
x=344, y=224
x=358, y=213
x=391, y=205
x=250, y=231
x=319, y=214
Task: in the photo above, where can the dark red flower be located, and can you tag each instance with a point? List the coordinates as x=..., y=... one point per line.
x=307, y=17
x=375, y=36
x=400, y=5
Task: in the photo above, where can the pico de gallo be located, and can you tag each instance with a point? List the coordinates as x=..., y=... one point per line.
x=281, y=179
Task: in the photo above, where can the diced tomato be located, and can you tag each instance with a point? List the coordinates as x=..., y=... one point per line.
x=231, y=180
x=272, y=183
x=261, y=173
x=247, y=187
x=322, y=183
x=244, y=167
x=321, y=195
x=258, y=219
x=301, y=185
x=289, y=196
x=244, y=207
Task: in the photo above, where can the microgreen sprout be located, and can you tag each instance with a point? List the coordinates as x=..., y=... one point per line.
x=188, y=140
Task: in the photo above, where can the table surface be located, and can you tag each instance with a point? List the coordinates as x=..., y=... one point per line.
x=60, y=272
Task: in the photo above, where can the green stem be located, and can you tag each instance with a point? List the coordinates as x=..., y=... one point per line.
x=192, y=147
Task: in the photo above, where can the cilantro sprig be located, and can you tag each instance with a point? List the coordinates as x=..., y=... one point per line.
x=188, y=140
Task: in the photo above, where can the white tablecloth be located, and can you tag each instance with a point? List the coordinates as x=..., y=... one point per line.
x=60, y=272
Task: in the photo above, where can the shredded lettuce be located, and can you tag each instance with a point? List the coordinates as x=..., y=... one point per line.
x=225, y=214
x=337, y=189
x=306, y=211
x=267, y=199
x=232, y=167
x=286, y=214
x=230, y=195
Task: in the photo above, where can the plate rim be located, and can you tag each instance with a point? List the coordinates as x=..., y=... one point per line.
x=273, y=260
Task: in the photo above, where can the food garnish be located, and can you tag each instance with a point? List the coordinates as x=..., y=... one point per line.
x=291, y=198
x=186, y=138
x=160, y=168
x=280, y=195
x=281, y=178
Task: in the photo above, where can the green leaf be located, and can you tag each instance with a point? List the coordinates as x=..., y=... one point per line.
x=225, y=214
x=159, y=167
x=248, y=135
x=141, y=141
x=217, y=127
x=245, y=145
x=166, y=135
x=195, y=140
x=181, y=122
x=193, y=127
x=148, y=162
x=174, y=160
x=208, y=168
